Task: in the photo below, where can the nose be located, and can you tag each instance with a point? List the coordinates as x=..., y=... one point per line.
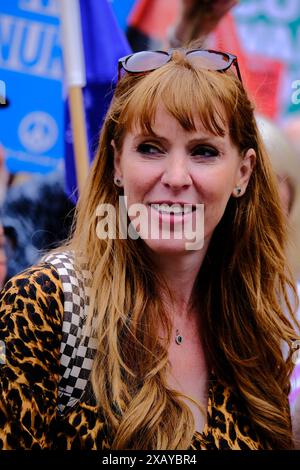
x=176, y=173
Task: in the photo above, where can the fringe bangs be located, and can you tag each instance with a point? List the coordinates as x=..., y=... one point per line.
x=213, y=106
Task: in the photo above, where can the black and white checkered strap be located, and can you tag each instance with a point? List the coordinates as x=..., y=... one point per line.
x=76, y=355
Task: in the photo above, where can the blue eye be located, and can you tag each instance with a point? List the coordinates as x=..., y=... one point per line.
x=205, y=151
x=148, y=149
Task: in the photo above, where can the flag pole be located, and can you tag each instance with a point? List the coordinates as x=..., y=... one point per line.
x=75, y=81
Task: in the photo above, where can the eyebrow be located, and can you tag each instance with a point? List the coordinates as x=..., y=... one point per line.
x=196, y=140
x=147, y=135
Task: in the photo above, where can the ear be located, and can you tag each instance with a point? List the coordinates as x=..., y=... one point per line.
x=244, y=172
x=117, y=160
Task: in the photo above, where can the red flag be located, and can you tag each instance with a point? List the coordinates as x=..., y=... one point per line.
x=262, y=76
x=153, y=17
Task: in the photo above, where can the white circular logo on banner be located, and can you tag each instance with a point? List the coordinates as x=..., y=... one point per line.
x=38, y=132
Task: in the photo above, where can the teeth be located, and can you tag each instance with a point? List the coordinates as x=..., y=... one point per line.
x=188, y=208
x=174, y=208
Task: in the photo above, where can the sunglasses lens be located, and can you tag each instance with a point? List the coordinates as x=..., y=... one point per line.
x=145, y=61
x=209, y=60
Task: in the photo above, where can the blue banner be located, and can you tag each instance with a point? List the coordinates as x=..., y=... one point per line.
x=104, y=43
x=31, y=69
x=122, y=9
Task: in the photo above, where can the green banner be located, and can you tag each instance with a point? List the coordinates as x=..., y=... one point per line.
x=272, y=28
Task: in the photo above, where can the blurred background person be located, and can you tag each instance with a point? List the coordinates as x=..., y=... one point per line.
x=286, y=164
x=3, y=259
x=291, y=128
x=3, y=187
x=196, y=20
x=37, y=216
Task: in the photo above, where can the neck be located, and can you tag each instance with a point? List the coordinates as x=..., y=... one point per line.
x=180, y=273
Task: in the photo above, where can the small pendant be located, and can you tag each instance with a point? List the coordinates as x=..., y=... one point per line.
x=178, y=338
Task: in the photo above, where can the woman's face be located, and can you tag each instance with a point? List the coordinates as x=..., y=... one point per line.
x=176, y=167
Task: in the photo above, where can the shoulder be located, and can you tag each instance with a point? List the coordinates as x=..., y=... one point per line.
x=43, y=277
x=32, y=292
x=31, y=319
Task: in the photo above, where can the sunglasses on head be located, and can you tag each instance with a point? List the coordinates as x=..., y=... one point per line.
x=147, y=61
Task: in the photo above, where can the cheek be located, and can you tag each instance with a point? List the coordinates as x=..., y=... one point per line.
x=215, y=193
x=216, y=188
x=138, y=181
x=215, y=205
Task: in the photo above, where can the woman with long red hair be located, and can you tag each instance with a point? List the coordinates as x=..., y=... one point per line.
x=126, y=340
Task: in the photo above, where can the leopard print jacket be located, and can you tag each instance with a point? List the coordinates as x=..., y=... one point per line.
x=31, y=317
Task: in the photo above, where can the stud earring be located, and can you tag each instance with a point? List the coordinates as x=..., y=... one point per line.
x=118, y=181
x=238, y=191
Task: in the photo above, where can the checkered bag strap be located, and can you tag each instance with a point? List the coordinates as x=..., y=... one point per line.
x=76, y=355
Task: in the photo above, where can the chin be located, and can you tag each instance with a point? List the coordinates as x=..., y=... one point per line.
x=169, y=247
